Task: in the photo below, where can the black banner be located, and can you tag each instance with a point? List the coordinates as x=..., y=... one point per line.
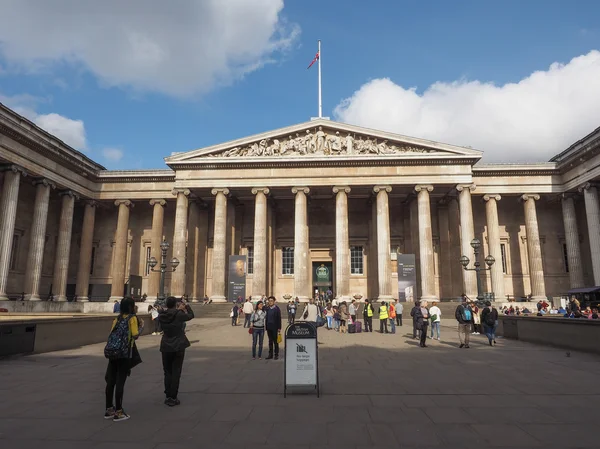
x=237, y=278
x=407, y=278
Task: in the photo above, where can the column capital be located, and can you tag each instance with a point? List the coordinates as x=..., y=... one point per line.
x=420, y=187
x=176, y=192
x=91, y=203
x=127, y=203
x=69, y=193
x=264, y=190
x=461, y=187
x=14, y=168
x=223, y=190
x=587, y=186
x=379, y=188
x=491, y=196
x=159, y=201
x=43, y=181
x=568, y=195
x=529, y=196
x=345, y=189
x=304, y=190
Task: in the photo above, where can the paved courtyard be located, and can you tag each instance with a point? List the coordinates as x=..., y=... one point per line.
x=378, y=391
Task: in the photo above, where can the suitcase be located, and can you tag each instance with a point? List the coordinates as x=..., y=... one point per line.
x=352, y=328
x=358, y=325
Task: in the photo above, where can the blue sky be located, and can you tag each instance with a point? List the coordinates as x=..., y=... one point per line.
x=132, y=114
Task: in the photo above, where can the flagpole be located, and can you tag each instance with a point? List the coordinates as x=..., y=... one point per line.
x=320, y=102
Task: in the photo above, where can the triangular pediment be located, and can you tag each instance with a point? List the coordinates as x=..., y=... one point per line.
x=322, y=138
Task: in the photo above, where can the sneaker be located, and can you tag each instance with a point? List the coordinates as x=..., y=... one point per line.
x=467, y=346
x=110, y=413
x=462, y=345
x=269, y=357
x=170, y=402
x=153, y=333
x=120, y=415
x=276, y=357
x=253, y=358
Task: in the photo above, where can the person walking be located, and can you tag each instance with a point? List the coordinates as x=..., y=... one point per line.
x=489, y=318
x=383, y=318
x=352, y=310
x=392, y=318
x=291, y=309
x=257, y=324
x=413, y=312
x=311, y=311
x=273, y=326
x=464, y=316
x=153, y=311
x=329, y=315
x=476, y=319
x=173, y=345
x=123, y=333
x=399, y=311
x=344, y=318
x=234, y=314
x=422, y=323
x=368, y=316
x=248, y=310
x=436, y=318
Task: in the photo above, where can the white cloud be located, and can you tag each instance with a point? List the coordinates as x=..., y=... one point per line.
x=179, y=49
x=112, y=154
x=70, y=131
x=528, y=121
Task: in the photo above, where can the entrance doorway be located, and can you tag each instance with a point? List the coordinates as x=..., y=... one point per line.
x=322, y=280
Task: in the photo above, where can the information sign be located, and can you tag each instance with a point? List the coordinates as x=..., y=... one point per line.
x=301, y=367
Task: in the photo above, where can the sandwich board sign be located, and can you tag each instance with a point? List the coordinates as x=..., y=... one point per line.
x=301, y=365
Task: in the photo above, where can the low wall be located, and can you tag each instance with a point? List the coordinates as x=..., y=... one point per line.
x=567, y=333
x=63, y=307
x=60, y=333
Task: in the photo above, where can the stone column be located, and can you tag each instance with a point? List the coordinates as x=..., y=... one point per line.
x=259, y=276
x=219, y=259
x=384, y=269
x=301, y=248
x=572, y=241
x=8, y=215
x=342, y=244
x=455, y=251
x=592, y=213
x=180, y=242
x=35, y=255
x=85, y=251
x=467, y=234
x=194, y=255
x=425, y=243
x=120, y=251
x=63, y=248
x=493, y=234
x=156, y=238
x=445, y=254
x=534, y=248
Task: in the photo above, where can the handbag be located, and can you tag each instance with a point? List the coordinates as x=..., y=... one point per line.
x=320, y=321
x=250, y=330
x=135, y=359
x=279, y=338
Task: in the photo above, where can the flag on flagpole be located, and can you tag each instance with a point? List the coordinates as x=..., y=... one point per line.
x=313, y=61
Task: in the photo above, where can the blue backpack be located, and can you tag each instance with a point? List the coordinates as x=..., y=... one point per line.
x=466, y=314
x=117, y=346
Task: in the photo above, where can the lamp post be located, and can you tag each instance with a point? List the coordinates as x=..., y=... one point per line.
x=164, y=246
x=489, y=261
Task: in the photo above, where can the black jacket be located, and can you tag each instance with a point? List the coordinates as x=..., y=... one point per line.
x=492, y=318
x=172, y=322
x=458, y=314
x=273, y=319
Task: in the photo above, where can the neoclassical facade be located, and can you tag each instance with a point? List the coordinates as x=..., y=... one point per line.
x=315, y=195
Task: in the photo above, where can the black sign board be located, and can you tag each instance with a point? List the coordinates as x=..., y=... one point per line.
x=237, y=278
x=301, y=363
x=407, y=278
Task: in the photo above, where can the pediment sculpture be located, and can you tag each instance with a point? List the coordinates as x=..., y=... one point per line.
x=319, y=142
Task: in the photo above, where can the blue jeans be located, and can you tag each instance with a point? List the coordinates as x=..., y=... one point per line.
x=393, y=325
x=329, y=322
x=490, y=332
x=435, y=329
x=336, y=324
x=258, y=335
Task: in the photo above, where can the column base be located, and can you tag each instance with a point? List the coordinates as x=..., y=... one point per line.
x=3, y=297
x=115, y=299
x=83, y=299
x=150, y=299
x=385, y=298
x=429, y=298
x=60, y=298
x=32, y=297
x=538, y=298
x=301, y=298
x=259, y=297
x=218, y=299
x=344, y=298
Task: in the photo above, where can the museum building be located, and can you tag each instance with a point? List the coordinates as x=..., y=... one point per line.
x=318, y=205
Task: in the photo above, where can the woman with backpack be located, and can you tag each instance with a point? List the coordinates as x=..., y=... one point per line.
x=489, y=318
x=118, y=350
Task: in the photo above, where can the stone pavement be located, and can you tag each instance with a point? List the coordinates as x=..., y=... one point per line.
x=378, y=391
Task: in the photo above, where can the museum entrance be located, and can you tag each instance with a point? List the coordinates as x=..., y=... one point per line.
x=322, y=280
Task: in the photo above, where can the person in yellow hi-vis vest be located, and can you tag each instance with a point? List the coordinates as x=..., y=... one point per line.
x=383, y=318
x=368, y=316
